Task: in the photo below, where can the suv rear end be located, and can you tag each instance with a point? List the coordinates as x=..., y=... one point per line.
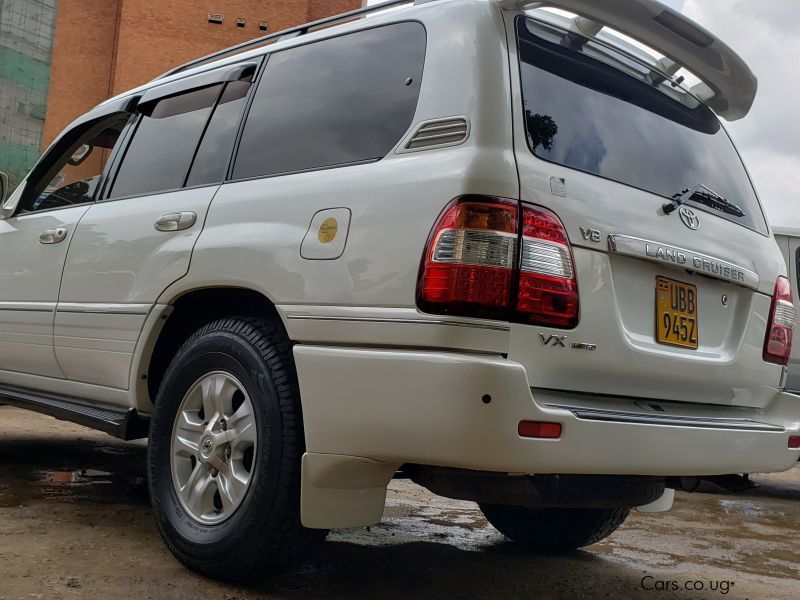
x=599, y=305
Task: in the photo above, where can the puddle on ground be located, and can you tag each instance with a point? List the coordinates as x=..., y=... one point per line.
x=746, y=508
x=73, y=470
x=80, y=485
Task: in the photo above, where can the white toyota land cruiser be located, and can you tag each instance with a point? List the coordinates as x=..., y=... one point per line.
x=503, y=247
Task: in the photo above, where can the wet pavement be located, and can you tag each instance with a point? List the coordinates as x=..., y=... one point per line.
x=75, y=523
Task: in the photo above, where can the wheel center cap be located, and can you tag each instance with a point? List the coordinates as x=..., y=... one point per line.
x=207, y=446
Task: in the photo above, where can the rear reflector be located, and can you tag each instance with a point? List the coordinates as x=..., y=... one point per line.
x=499, y=259
x=778, y=343
x=794, y=442
x=539, y=429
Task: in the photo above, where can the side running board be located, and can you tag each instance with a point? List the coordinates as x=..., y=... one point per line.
x=122, y=424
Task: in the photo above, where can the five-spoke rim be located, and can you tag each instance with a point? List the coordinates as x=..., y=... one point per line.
x=214, y=443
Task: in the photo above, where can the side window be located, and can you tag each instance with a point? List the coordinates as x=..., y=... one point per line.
x=164, y=143
x=343, y=100
x=73, y=177
x=211, y=160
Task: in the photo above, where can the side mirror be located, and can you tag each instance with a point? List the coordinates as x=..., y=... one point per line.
x=9, y=207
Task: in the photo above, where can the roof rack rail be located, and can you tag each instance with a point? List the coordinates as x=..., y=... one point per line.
x=283, y=35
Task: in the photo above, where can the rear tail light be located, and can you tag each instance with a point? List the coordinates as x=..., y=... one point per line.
x=497, y=258
x=548, y=291
x=778, y=344
x=469, y=262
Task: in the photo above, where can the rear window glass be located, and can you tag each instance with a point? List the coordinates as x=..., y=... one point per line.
x=591, y=116
x=339, y=101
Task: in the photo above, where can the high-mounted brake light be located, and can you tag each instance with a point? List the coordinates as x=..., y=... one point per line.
x=499, y=259
x=778, y=344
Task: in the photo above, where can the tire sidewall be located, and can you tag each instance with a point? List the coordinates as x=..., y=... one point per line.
x=215, y=351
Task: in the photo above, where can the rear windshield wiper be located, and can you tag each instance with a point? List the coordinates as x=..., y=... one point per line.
x=703, y=195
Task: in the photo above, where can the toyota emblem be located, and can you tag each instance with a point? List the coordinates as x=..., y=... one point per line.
x=689, y=218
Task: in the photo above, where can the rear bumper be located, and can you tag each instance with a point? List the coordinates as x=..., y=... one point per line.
x=398, y=406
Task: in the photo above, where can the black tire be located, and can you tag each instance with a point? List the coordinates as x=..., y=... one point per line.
x=264, y=534
x=554, y=530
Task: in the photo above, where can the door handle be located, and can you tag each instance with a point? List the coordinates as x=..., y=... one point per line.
x=175, y=221
x=53, y=236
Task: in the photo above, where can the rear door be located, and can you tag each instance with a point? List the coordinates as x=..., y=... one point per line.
x=138, y=240
x=672, y=306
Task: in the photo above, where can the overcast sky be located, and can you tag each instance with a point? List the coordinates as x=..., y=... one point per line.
x=766, y=33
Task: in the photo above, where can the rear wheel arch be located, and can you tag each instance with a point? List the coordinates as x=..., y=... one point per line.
x=189, y=312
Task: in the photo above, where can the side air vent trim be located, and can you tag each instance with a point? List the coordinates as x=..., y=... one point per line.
x=436, y=133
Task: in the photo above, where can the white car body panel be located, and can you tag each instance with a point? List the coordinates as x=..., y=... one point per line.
x=427, y=407
x=118, y=265
x=30, y=276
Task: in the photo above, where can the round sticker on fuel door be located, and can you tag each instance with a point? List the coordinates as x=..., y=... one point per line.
x=327, y=231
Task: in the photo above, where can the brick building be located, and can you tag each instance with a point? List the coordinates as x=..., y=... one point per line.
x=104, y=47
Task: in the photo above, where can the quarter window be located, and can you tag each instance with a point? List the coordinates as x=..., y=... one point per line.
x=339, y=101
x=166, y=137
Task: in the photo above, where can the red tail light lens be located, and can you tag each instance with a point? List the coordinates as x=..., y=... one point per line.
x=469, y=261
x=778, y=344
x=548, y=290
x=485, y=258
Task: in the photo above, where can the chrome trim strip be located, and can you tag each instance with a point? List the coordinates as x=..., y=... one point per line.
x=407, y=321
x=102, y=308
x=681, y=258
x=613, y=416
x=28, y=306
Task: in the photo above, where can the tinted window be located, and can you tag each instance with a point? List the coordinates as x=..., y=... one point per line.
x=73, y=177
x=215, y=150
x=588, y=115
x=164, y=143
x=343, y=100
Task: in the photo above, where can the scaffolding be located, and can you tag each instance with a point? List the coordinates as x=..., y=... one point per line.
x=26, y=47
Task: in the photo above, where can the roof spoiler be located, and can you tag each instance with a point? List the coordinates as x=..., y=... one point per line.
x=727, y=85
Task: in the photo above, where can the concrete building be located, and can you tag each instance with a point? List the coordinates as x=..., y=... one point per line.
x=26, y=42
x=60, y=58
